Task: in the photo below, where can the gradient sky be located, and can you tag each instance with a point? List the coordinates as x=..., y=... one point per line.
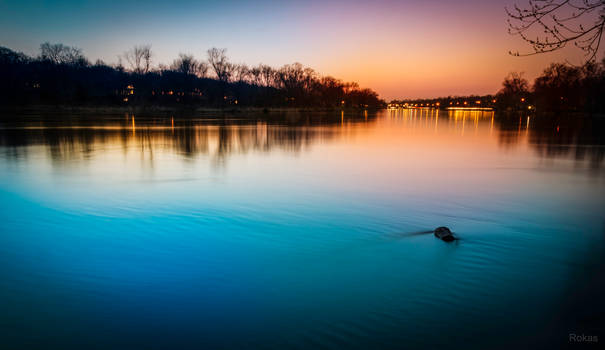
x=401, y=49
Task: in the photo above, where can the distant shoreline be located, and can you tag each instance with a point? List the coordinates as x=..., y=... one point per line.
x=158, y=109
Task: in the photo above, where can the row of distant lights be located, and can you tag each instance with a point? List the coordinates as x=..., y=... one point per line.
x=130, y=91
x=437, y=104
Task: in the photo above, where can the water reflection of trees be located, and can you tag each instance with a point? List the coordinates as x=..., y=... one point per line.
x=555, y=136
x=551, y=136
x=79, y=138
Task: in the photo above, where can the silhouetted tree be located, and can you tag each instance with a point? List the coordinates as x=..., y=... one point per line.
x=555, y=23
x=8, y=56
x=139, y=58
x=263, y=75
x=332, y=91
x=514, y=92
x=297, y=81
x=217, y=58
x=241, y=73
x=62, y=54
x=186, y=64
x=559, y=87
x=202, y=69
x=59, y=80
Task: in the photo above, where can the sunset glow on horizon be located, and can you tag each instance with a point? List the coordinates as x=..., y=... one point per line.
x=401, y=49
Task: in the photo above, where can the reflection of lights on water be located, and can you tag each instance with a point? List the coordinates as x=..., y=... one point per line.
x=470, y=108
x=463, y=122
x=491, y=126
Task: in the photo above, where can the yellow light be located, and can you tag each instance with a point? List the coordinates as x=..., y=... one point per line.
x=522, y=99
x=470, y=108
x=478, y=102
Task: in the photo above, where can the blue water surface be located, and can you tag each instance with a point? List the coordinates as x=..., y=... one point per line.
x=130, y=232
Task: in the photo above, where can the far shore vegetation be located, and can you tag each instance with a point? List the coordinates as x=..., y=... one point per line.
x=62, y=76
x=560, y=87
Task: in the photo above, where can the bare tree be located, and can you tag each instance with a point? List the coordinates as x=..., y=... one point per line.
x=515, y=90
x=185, y=64
x=268, y=75
x=350, y=87
x=555, y=23
x=61, y=54
x=202, y=70
x=255, y=76
x=296, y=77
x=139, y=58
x=263, y=75
x=514, y=84
x=217, y=58
x=147, y=58
x=241, y=72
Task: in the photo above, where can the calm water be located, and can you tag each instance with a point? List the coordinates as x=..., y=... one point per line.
x=242, y=231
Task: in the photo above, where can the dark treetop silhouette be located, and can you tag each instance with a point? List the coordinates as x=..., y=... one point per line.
x=560, y=87
x=62, y=75
x=555, y=23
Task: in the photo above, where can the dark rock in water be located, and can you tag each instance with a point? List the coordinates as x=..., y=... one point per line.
x=444, y=234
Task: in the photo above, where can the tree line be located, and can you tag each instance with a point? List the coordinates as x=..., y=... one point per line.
x=560, y=87
x=61, y=74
